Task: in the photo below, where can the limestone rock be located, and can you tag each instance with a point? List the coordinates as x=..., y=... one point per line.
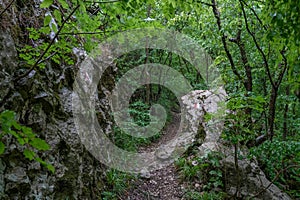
x=46, y=107
x=249, y=178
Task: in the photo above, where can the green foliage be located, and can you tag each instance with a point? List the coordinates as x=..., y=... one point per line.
x=283, y=17
x=64, y=4
x=107, y=195
x=188, y=170
x=127, y=142
x=46, y=3
x=276, y=156
x=194, y=195
x=139, y=111
x=116, y=183
x=205, y=169
x=24, y=136
x=2, y=148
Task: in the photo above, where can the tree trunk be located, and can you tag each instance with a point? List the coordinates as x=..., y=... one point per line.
x=285, y=116
x=272, y=109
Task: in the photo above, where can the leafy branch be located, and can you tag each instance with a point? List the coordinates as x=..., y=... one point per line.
x=49, y=45
x=257, y=45
x=24, y=136
x=90, y=33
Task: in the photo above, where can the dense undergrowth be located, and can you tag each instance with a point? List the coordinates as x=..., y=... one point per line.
x=280, y=160
x=202, y=175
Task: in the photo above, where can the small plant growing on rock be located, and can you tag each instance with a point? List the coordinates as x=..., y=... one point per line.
x=24, y=136
x=205, y=172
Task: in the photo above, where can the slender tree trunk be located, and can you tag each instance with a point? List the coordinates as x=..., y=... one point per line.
x=285, y=128
x=285, y=116
x=248, y=80
x=236, y=165
x=272, y=110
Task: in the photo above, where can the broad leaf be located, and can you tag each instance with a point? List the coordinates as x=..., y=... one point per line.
x=63, y=4
x=39, y=144
x=46, y=3
x=29, y=154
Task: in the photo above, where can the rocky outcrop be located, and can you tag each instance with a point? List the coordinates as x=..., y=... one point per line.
x=47, y=109
x=246, y=180
x=249, y=180
x=43, y=101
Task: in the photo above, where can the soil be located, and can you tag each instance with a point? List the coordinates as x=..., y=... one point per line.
x=163, y=184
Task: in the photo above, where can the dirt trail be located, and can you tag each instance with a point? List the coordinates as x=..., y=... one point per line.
x=162, y=184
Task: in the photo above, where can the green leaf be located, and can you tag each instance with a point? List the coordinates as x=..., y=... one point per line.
x=40, y=161
x=54, y=28
x=46, y=3
x=17, y=125
x=8, y=114
x=213, y=172
x=21, y=140
x=45, y=30
x=7, y=118
x=29, y=154
x=39, y=144
x=2, y=148
x=63, y=4
x=47, y=20
x=57, y=16
x=44, y=163
x=28, y=132
x=50, y=168
x=18, y=136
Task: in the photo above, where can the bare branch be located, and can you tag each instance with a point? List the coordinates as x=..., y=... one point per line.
x=229, y=56
x=280, y=77
x=257, y=45
x=255, y=14
x=47, y=57
x=7, y=7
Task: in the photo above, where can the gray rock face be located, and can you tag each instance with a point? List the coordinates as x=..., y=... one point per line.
x=49, y=112
x=201, y=102
x=249, y=178
x=8, y=53
x=46, y=107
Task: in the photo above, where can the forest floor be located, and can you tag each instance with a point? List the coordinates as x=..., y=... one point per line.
x=163, y=183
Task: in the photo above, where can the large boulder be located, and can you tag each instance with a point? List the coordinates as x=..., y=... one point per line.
x=245, y=179
x=249, y=180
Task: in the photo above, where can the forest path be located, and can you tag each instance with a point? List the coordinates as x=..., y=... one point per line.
x=163, y=184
